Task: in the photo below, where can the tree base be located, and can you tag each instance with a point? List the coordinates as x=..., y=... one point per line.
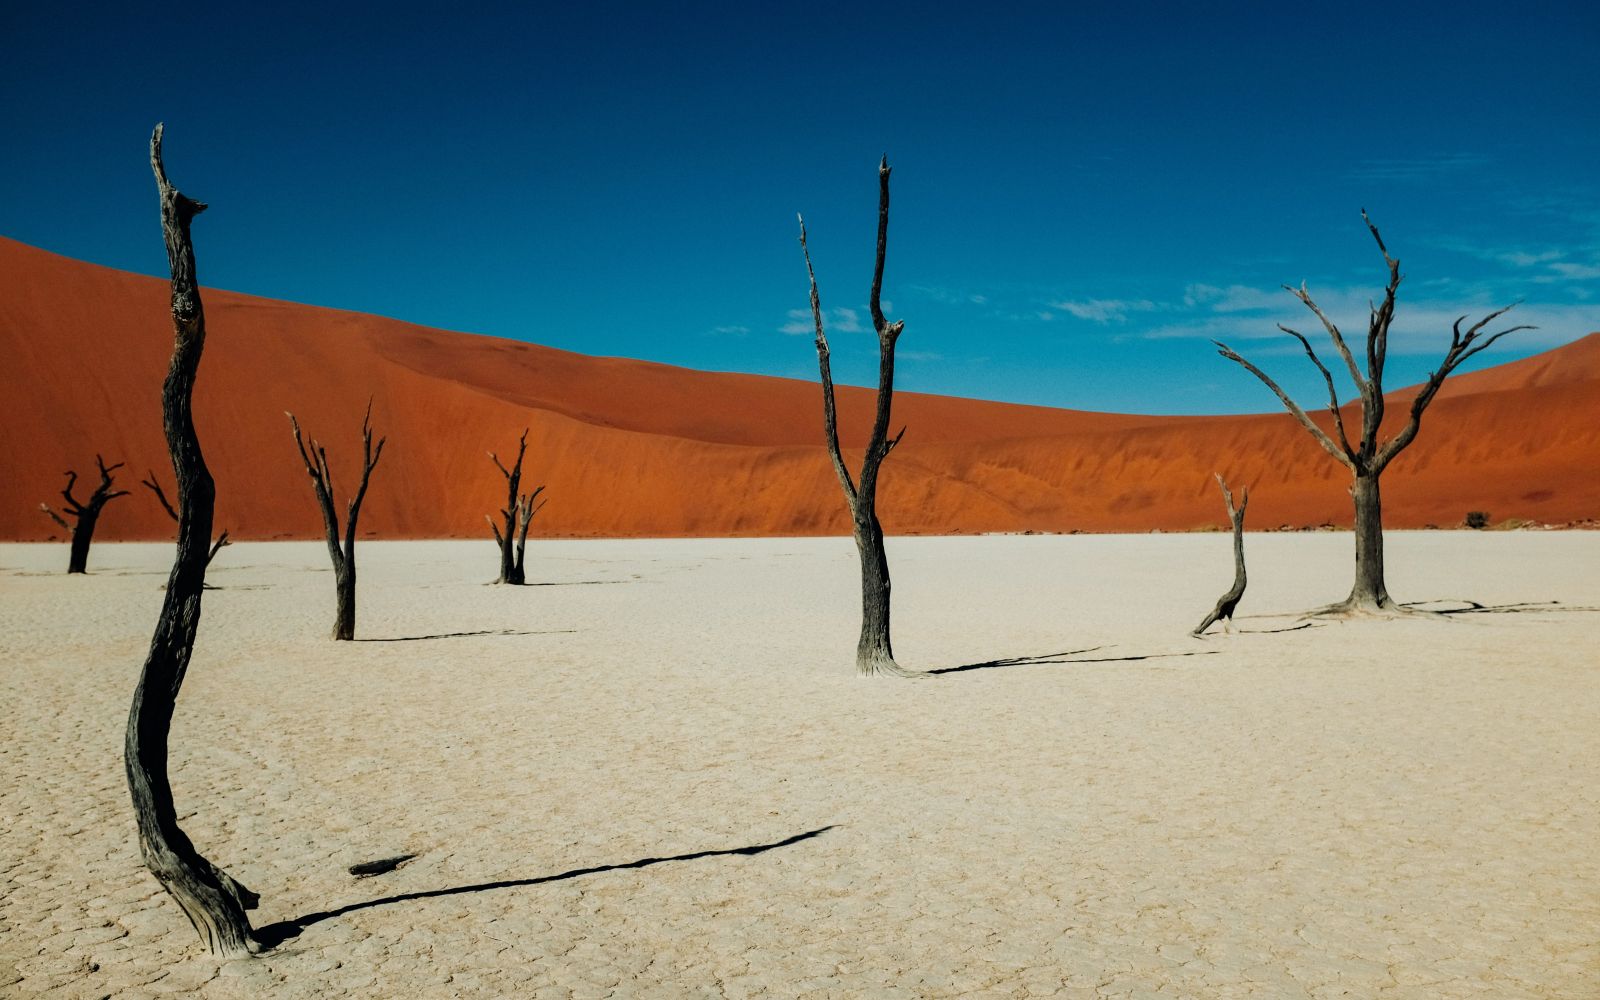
x=1352, y=608
x=878, y=664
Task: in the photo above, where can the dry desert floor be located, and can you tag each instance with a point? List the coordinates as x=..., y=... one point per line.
x=655, y=775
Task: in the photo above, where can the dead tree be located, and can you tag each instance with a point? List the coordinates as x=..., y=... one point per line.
x=344, y=560
x=154, y=486
x=874, y=655
x=515, y=515
x=1227, y=602
x=214, y=902
x=84, y=515
x=1367, y=458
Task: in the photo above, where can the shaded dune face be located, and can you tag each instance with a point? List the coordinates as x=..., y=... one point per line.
x=634, y=448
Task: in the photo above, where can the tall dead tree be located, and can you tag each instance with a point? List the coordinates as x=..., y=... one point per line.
x=214, y=902
x=874, y=654
x=515, y=516
x=1230, y=600
x=84, y=515
x=344, y=559
x=1367, y=458
x=153, y=484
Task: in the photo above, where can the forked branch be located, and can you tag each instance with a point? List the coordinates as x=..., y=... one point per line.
x=1328, y=444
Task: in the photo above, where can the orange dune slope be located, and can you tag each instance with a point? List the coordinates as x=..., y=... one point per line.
x=634, y=448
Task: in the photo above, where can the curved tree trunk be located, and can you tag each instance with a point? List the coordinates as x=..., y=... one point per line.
x=211, y=899
x=1229, y=601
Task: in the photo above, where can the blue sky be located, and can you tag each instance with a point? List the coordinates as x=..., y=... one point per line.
x=1082, y=195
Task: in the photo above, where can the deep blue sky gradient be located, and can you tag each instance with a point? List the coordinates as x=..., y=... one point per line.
x=1082, y=194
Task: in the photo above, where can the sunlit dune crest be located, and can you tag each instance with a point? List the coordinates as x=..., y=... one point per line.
x=632, y=448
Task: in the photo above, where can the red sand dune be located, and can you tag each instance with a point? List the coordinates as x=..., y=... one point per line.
x=633, y=448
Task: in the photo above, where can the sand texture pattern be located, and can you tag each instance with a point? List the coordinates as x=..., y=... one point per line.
x=630, y=448
x=656, y=776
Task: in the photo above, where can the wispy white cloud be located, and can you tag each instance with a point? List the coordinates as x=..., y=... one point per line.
x=840, y=320
x=1421, y=326
x=1233, y=298
x=1573, y=271
x=949, y=296
x=732, y=330
x=1553, y=266
x=1103, y=311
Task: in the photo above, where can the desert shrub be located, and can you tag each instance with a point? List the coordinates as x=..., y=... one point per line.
x=1477, y=519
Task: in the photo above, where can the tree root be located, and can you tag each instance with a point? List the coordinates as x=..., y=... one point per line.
x=879, y=665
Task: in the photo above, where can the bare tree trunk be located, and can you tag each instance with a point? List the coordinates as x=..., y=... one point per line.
x=213, y=901
x=525, y=511
x=510, y=572
x=1230, y=600
x=344, y=584
x=1369, y=592
x=82, y=535
x=874, y=655
x=343, y=559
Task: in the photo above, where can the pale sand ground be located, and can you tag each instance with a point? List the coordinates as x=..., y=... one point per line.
x=1403, y=809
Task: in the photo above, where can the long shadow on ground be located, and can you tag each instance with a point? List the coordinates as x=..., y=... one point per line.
x=1027, y=661
x=1475, y=608
x=273, y=935
x=462, y=635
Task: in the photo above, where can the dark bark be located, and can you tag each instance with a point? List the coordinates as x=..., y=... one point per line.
x=1230, y=600
x=153, y=484
x=1366, y=458
x=515, y=516
x=344, y=558
x=874, y=652
x=213, y=901
x=84, y=515
x=1369, y=590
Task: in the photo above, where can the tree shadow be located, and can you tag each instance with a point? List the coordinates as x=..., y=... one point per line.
x=555, y=583
x=1027, y=661
x=1275, y=631
x=273, y=935
x=1476, y=608
x=463, y=635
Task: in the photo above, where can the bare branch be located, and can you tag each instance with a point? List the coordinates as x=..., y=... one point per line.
x=1328, y=444
x=1333, y=394
x=894, y=442
x=217, y=546
x=830, y=416
x=316, y=463
x=54, y=516
x=155, y=487
x=878, y=322
x=1333, y=332
x=1381, y=316
x=1462, y=347
x=73, y=506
